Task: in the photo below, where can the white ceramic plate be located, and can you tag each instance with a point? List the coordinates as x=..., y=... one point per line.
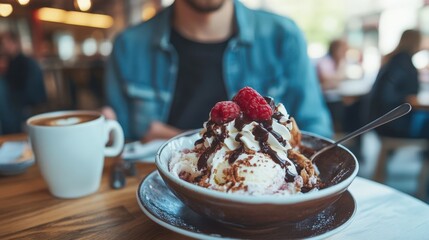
x=164, y=208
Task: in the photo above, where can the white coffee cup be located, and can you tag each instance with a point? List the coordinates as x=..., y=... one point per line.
x=70, y=147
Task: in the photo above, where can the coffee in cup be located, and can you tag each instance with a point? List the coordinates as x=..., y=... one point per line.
x=64, y=120
x=70, y=146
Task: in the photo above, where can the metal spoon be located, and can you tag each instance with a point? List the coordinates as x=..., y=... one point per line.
x=390, y=116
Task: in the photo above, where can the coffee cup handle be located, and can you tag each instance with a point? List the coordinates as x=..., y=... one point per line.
x=118, y=138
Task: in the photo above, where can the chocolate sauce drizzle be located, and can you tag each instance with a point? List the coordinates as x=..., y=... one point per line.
x=261, y=135
x=298, y=168
x=216, y=144
x=290, y=177
x=202, y=160
x=235, y=154
x=277, y=115
x=240, y=121
x=199, y=141
x=270, y=102
x=268, y=125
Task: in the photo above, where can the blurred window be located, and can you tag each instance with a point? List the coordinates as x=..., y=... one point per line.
x=105, y=48
x=66, y=46
x=393, y=22
x=329, y=23
x=421, y=59
x=89, y=47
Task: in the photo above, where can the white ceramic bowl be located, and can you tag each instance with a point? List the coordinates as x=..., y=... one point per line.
x=338, y=167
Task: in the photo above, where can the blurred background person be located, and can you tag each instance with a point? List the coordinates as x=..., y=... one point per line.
x=166, y=74
x=331, y=70
x=22, y=84
x=397, y=83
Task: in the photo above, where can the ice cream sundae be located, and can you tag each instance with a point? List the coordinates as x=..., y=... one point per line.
x=249, y=145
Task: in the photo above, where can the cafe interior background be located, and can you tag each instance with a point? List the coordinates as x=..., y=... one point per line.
x=72, y=39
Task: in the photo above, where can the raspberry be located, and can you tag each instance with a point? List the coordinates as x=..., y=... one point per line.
x=260, y=113
x=253, y=104
x=225, y=111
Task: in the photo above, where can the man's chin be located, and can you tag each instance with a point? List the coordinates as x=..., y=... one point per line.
x=205, y=6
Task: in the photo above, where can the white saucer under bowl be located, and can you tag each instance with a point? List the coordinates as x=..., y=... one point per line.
x=164, y=208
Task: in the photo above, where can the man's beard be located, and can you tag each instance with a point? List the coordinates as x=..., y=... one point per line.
x=205, y=6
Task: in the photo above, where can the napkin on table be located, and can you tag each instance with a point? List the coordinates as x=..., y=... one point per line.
x=11, y=151
x=142, y=152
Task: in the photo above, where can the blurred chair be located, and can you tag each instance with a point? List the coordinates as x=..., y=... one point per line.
x=388, y=146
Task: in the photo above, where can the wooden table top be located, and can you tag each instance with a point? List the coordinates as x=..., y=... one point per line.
x=29, y=211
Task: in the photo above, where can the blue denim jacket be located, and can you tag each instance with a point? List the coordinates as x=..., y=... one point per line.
x=268, y=53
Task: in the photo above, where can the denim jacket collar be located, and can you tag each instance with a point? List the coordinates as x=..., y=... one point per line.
x=245, y=23
x=243, y=19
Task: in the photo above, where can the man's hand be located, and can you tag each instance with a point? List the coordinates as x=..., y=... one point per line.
x=108, y=113
x=159, y=130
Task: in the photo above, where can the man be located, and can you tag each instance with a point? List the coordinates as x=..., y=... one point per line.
x=21, y=85
x=164, y=75
x=397, y=82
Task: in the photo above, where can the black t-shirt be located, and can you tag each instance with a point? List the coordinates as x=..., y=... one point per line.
x=200, y=82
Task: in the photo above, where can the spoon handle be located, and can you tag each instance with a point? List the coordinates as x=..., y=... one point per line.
x=390, y=116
